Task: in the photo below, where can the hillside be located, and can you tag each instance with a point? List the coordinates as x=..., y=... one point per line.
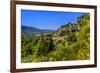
x=69, y=42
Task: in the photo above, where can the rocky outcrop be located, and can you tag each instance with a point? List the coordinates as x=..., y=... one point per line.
x=63, y=31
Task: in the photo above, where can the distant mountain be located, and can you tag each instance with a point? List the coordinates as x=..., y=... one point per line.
x=27, y=30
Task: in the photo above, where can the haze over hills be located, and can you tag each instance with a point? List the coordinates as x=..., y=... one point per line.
x=28, y=30
x=61, y=31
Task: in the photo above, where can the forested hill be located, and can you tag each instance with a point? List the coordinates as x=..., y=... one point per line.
x=71, y=41
x=72, y=27
x=65, y=29
x=29, y=31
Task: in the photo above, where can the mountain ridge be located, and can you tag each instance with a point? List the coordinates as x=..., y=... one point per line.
x=28, y=30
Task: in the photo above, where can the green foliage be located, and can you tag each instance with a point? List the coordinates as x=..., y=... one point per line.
x=45, y=45
x=72, y=37
x=69, y=24
x=69, y=45
x=83, y=20
x=63, y=26
x=84, y=36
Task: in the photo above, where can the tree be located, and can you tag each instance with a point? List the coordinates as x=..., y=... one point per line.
x=51, y=45
x=84, y=38
x=45, y=46
x=63, y=26
x=69, y=24
x=83, y=19
x=72, y=37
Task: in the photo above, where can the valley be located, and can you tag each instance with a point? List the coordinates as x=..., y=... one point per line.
x=70, y=41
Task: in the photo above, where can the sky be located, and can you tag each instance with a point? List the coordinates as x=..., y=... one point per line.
x=47, y=19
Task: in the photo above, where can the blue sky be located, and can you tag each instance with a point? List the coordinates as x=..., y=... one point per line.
x=47, y=19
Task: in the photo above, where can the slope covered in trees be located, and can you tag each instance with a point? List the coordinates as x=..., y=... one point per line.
x=69, y=42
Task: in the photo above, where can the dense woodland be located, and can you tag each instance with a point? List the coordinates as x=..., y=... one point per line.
x=71, y=41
